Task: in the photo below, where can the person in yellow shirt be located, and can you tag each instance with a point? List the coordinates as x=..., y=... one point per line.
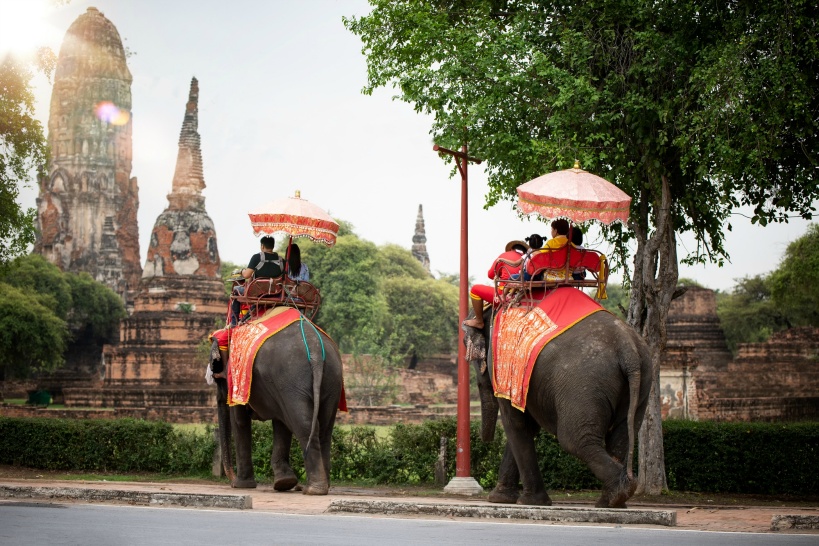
x=560, y=234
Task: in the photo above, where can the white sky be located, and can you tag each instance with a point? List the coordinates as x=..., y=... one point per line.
x=280, y=109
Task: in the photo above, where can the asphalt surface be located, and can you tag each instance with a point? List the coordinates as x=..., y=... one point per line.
x=377, y=503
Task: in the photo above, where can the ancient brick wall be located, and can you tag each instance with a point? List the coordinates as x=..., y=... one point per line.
x=773, y=381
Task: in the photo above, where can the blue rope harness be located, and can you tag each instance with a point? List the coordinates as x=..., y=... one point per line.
x=302, y=318
x=304, y=338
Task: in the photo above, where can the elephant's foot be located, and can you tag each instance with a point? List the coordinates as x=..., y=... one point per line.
x=616, y=496
x=285, y=483
x=243, y=484
x=316, y=489
x=535, y=499
x=504, y=495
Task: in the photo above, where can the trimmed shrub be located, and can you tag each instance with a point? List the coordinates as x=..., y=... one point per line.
x=762, y=458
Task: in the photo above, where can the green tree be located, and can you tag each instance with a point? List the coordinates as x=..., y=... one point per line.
x=669, y=100
x=347, y=275
x=423, y=316
x=394, y=261
x=38, y=277
x=32, y=336
x=795, y=283
x=23, y=149
x=96, y=309
x=748, y=314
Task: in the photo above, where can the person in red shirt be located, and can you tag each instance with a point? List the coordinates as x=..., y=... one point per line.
x=504, y=266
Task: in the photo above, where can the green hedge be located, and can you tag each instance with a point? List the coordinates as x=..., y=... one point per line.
x=124, y=445
x=758, y=458
x=764, y=458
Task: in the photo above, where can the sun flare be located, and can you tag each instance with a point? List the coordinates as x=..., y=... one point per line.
x=23, y=27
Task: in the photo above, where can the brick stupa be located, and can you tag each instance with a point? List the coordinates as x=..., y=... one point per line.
x=87, y=204
x=181, y=298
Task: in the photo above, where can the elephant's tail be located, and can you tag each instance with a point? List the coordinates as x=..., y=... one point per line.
x=634, y=381
x=316, y=358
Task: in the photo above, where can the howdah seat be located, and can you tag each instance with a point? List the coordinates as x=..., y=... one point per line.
x=263, y=294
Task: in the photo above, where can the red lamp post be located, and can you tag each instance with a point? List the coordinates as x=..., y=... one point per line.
x=463, y=482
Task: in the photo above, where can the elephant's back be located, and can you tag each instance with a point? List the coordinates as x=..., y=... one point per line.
x=587, y=364
x=284, y=359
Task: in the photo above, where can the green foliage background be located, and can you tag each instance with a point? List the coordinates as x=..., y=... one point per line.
x=43, y=310
x=787, y=297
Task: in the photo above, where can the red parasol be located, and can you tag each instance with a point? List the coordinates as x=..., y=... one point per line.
x=295, y=217
x=574, y=194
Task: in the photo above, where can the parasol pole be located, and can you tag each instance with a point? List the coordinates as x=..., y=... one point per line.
x=463, y=483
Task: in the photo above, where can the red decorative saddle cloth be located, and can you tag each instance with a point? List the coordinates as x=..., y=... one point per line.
x=520, y=333
x=245, y=341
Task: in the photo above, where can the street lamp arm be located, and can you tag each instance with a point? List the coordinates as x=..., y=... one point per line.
x=459, y=155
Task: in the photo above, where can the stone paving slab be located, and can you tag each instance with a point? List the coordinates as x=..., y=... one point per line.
x=781, y=522
x=148, y=498
x=563, y=514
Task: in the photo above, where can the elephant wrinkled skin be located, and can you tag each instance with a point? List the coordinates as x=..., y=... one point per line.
x=299, y=395
x=589, y=387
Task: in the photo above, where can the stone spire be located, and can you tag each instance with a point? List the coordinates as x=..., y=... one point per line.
x=419, y=240
x=183, y=241
x=87, y=204
x=188, y=179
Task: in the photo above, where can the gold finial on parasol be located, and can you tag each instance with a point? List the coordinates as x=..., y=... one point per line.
x=576, y=164
x=298, y=194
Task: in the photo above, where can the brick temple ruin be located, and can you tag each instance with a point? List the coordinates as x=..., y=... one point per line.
x=777, y=380
x=87, y=204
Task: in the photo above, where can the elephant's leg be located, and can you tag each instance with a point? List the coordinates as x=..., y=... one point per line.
x=240, y=420
x=593, y=452
x=506, y=491
x=520, y=432
x=317, y=483
x=284, y=479
x=617, y=446
x=326, y=421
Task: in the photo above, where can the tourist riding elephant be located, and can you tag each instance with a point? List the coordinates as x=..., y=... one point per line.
x=589, y=387
x=300, y=395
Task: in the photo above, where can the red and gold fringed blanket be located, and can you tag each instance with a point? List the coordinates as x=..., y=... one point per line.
x=520, y=333
x=245, y=341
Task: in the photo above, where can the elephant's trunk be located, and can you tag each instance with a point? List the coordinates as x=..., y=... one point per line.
x=218, y=366
x=479, y=354
x=225, y=431
x=489, y=404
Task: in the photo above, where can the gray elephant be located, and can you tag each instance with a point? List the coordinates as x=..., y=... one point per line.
x=300, y=395
x=589, y=387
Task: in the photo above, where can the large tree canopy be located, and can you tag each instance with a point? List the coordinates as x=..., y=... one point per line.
x=381, y=300
x=691, y=107
x=23, y=150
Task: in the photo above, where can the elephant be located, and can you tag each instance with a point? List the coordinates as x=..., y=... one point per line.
x=589, y=387
x=299, y=395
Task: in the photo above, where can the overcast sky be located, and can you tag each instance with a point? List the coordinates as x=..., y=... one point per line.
x=281, y=109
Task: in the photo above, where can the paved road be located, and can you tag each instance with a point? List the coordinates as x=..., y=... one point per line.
x=24, y=523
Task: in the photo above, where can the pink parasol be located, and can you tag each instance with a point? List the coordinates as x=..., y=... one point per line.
x=295, y=217
x=574, y=194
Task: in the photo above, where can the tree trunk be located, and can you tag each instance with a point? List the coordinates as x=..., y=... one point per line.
x=651, y=466
x=652, y=289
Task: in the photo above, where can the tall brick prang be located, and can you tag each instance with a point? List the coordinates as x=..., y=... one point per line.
x=419, y=240
x=181, y=299
x=87, y=204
